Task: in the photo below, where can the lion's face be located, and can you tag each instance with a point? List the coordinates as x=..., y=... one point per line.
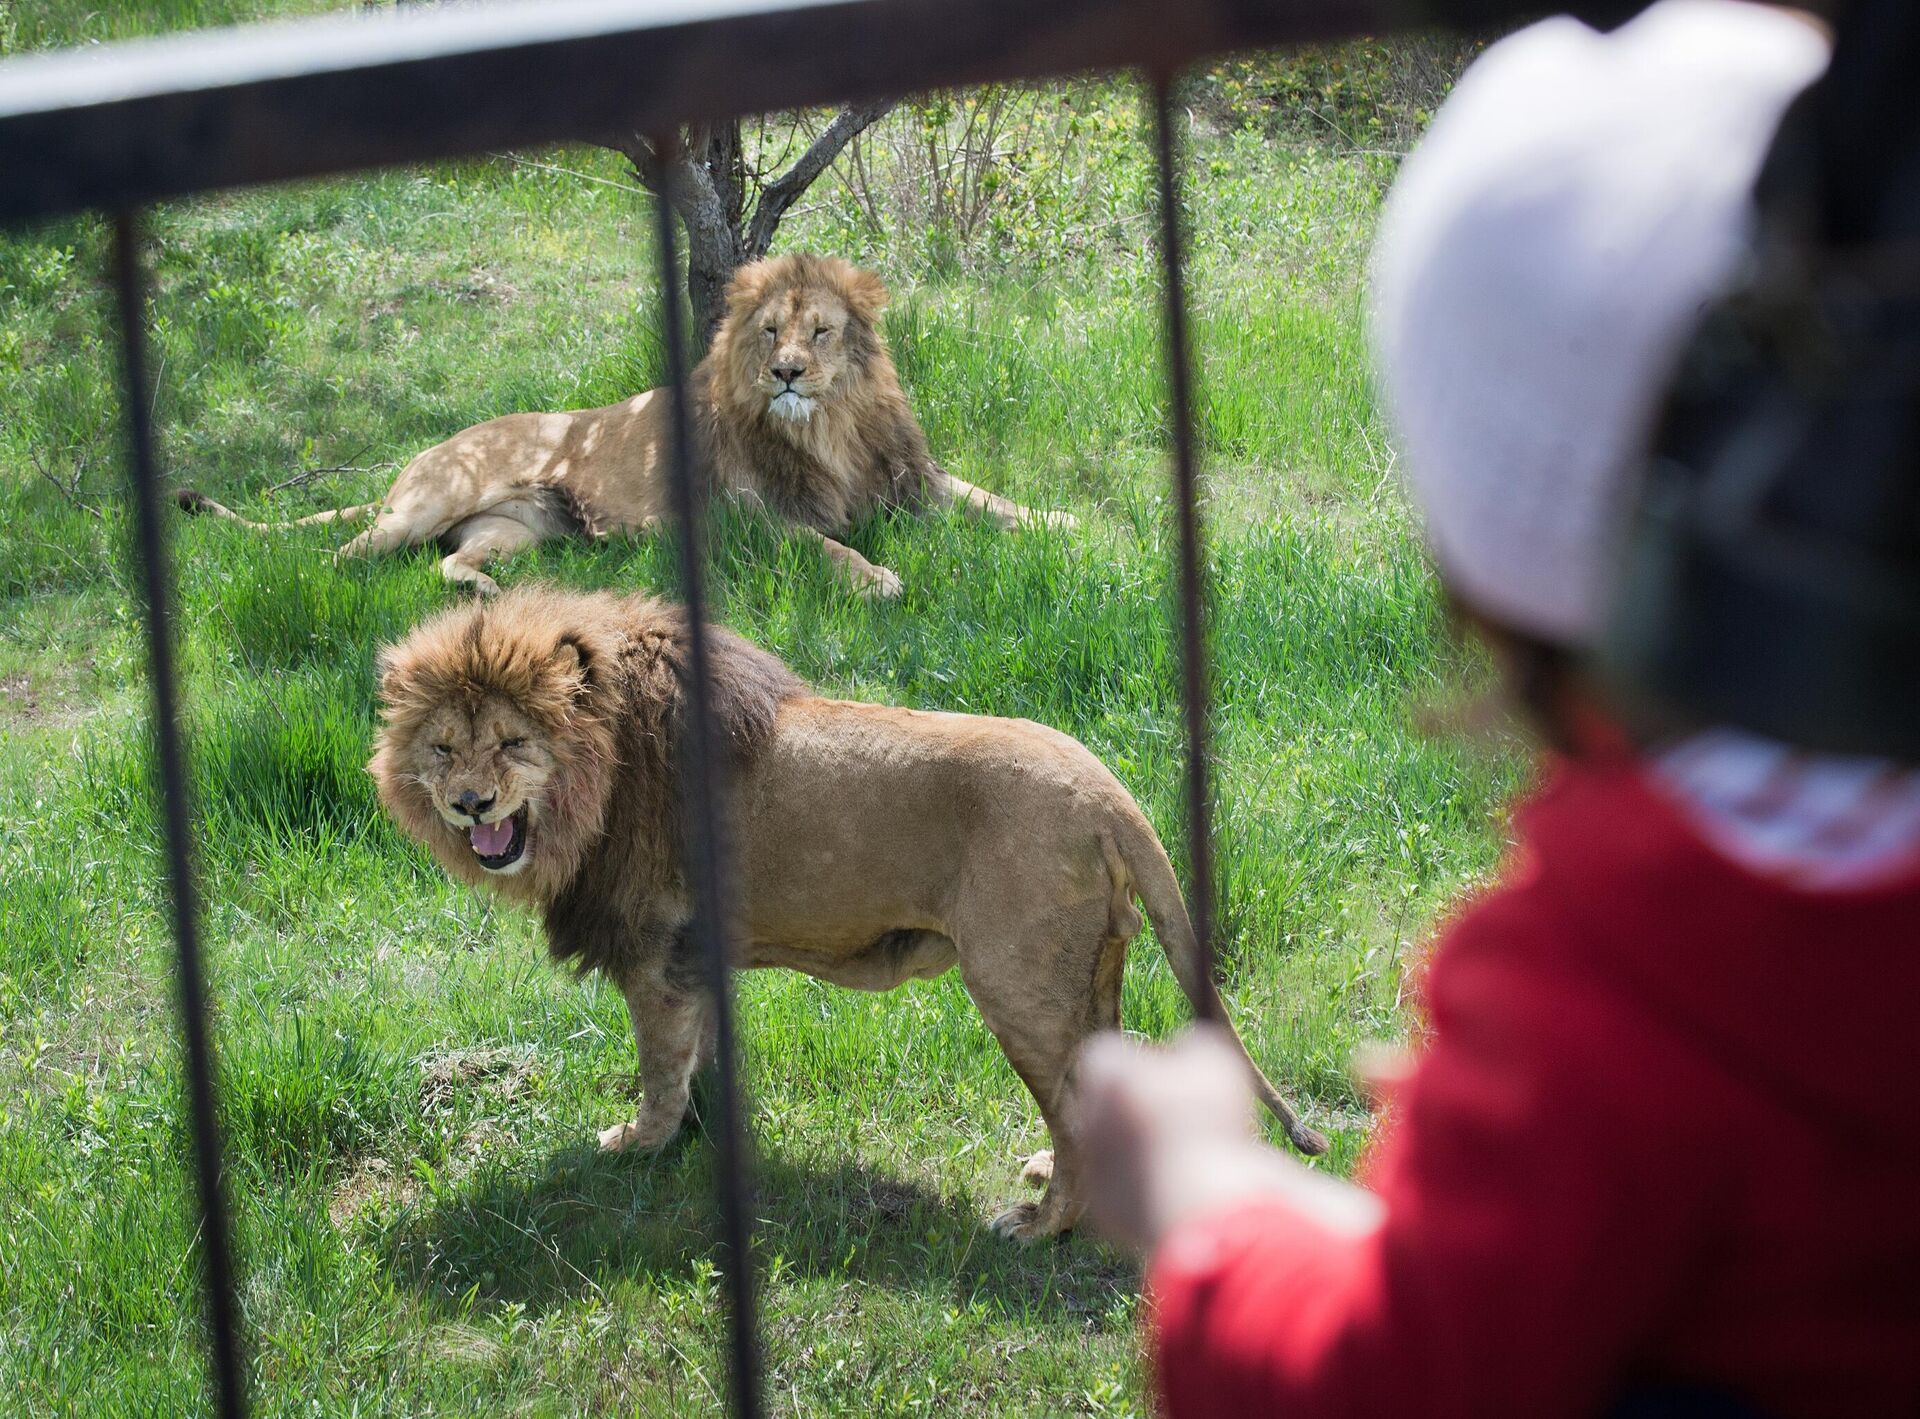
x=494, y=751
x=483, y=764
x=802, y=340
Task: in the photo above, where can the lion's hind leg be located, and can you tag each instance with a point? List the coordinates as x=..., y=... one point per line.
x=415, y=511
x=477, y=541
x=394, y=529
x=1123, y=924
x=984, y=506
x=1041, y=1031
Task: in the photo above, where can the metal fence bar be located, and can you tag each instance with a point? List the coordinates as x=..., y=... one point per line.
x=1192, y=587
x=702, y=783
x=223, y=1312
x=123, y=124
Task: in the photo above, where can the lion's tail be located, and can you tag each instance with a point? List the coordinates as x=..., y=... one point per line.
x=1151, y=878
x=192, y=500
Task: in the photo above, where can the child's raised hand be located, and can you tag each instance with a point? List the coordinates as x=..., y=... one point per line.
x=1168, y=1135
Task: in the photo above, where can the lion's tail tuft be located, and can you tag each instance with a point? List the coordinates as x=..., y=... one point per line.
x=1153, y=882
x=194, y=502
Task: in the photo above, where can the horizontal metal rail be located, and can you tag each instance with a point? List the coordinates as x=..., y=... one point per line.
x=116, y=126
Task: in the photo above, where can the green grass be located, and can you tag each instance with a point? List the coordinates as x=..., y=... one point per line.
x=409, y=1089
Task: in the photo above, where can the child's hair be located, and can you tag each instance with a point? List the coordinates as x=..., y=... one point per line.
x=1556, y=696
x=1533, y=683
x=1542, y=677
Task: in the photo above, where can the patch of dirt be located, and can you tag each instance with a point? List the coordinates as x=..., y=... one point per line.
x=1253, y=495
x=892, y=1200
x=478, y=287
x=454, y=1340
x=375, y=1185
x=35, y=703
x=497, y=1073
x=372, y=1185
x=500, y=1072
x=17, y=694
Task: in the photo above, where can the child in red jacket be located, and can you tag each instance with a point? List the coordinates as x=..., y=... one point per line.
x=1663, y=1137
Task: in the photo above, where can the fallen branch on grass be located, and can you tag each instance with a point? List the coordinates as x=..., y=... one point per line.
x=307, y=475
x=70, y=490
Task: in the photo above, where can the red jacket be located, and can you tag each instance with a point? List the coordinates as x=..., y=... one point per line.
x=1666, y=1132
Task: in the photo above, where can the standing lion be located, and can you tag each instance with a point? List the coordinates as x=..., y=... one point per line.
x=797, y=405
x=531, y=744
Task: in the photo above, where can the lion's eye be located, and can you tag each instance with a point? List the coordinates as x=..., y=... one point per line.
x=511, y=743
x=772, y=331
x=443, y=750
x=821, y=332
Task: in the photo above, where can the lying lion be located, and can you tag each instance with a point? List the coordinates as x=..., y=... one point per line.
x=531, y=744
x=796, y=405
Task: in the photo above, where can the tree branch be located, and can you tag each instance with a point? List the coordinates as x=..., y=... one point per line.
x=640, y=157
x=781, y=193
x=704, y=178
x=69, y=491
x=687, y=185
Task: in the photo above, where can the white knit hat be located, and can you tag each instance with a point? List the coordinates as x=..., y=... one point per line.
x=1542, y=261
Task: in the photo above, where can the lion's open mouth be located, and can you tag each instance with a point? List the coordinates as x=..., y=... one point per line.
x=499, y=845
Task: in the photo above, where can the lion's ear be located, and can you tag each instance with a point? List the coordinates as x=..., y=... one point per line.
x=867, y=294
x=748, y=287
x=386, y=670
x=575, y=660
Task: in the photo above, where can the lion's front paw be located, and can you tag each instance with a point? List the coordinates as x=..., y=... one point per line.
x=1029, y=1222
x=877, y=583
x=640, y=1135
x=1061, y=521
x=1037, y=1171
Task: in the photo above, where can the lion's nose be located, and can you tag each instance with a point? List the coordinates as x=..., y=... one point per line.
x=472, y=804
x=788, y=373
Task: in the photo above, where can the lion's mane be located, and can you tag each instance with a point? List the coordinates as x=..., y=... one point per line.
x=864, y=446
x=604, y=678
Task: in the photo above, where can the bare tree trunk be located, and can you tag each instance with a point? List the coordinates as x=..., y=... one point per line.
x=707, y=180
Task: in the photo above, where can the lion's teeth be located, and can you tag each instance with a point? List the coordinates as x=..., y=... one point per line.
x=491, y=839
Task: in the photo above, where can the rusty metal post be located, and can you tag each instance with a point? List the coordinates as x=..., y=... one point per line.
x=1186, y=489
x=223, y=1311
x=702, y=784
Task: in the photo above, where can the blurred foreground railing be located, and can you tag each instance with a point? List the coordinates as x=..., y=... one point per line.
x=117, y=127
